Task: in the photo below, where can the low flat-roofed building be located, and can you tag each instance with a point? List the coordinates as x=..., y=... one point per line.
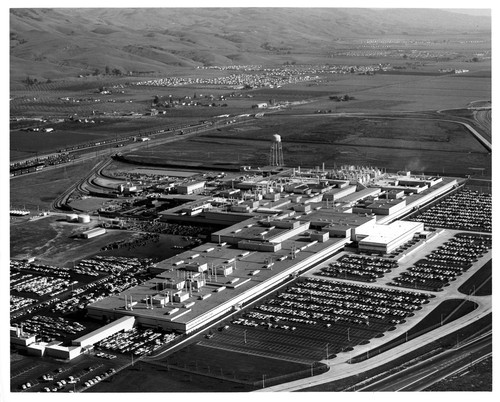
x=124, y=323
x=17, y=337
x=325, y=219
x=386, y=238
x=338, y=230
x=386, y=206
x=256, y=230
x=191, y=188
x=395, y=194
x=353, y=197
x=62, y=352
x=88, y=234
x=337, y=193
x=37, y=349
x=320, y=236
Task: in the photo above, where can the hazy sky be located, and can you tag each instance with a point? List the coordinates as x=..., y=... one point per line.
x=472, y=11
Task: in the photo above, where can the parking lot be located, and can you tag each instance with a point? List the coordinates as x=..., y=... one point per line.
x=316, y=318
x=358, y=267
x=51, y=375
x=137, y=342
x=445, y=262
x=465, y=210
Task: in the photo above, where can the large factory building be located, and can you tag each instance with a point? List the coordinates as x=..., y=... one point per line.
x=282, y=235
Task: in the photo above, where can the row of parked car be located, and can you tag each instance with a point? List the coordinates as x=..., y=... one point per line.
x=112, y=265
x=18, y=302
x=357, y=267
x=51, y=328
x=445, y=263
x=41, y=285
x=43, y=269
x=315, y=301
x=465, y=210
x=136, y=341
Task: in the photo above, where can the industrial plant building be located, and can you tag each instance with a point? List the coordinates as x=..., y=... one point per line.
x=280, y=233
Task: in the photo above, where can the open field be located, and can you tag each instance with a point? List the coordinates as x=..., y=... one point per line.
x=395, y=144
x=382, y=92
x=39, y=190
x=476, y=378
x=479, y=284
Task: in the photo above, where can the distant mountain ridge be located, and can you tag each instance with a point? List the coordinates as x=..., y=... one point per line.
x=49, y=43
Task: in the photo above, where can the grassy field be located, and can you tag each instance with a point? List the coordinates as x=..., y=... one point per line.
x=395, y=144
x=199, y=369
x=376, y=93
x=478, y=377
x=38, y=190
x=480, y=284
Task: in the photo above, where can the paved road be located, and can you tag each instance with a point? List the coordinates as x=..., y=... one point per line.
x=430, y=371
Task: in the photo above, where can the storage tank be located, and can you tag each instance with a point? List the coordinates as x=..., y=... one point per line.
x=83, y=218
x=71, y=217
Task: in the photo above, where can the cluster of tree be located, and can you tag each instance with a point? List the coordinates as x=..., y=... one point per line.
x=107, y=71
x=30, y=81
x=341, y=98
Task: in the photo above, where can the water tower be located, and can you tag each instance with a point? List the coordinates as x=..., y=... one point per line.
x=276, y=153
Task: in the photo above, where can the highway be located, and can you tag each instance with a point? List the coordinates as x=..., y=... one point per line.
x=435, y=369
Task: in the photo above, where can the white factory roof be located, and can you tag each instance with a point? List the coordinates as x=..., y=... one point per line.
x=387, y=233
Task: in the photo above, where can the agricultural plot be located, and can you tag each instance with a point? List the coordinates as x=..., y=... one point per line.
x=409, y=92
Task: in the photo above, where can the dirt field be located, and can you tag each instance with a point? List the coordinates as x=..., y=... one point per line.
x=52, y=241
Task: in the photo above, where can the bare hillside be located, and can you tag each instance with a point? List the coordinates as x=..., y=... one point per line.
x=53, y=43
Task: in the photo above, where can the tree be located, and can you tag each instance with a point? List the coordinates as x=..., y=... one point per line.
x=117, y=71
x=97, y=71
x=106, y=69
x=30, y=81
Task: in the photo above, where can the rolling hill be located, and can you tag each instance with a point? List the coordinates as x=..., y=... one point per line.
x=54, y=43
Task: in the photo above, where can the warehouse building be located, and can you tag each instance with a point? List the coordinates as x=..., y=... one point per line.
x=384, y=239
x=88, y=234
x=122, y=324
x=194, y=187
